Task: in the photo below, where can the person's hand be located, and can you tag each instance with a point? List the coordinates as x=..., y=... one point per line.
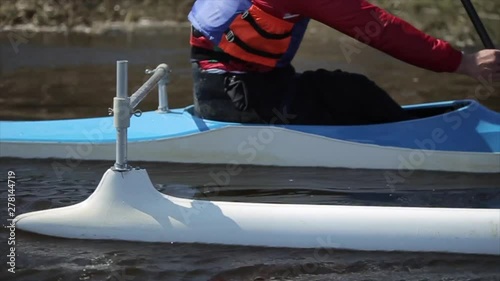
x=485, y=64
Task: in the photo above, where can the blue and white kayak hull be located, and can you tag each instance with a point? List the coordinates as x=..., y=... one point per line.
x=466, y=139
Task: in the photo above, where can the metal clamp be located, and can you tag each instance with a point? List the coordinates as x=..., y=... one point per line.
x=124, y=106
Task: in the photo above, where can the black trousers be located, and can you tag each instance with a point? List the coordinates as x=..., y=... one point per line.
x=282, y=96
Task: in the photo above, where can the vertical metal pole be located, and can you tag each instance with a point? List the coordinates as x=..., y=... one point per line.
x=162, y=93
x=121, y=79
x=162, y=97
x=121, y=112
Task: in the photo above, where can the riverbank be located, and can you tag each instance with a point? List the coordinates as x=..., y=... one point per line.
x=445, y=19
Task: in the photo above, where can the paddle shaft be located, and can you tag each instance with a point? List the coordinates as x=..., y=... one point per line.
x=478, y=24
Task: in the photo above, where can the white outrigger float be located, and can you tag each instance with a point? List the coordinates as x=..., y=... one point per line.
x=126, y=206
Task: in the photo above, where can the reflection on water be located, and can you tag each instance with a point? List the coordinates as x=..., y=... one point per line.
x=54, y=76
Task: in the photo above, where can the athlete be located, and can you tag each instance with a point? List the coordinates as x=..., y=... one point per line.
x=241, y=53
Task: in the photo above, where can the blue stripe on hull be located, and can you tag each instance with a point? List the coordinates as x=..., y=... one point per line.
x=150, y=126
x=472, y=128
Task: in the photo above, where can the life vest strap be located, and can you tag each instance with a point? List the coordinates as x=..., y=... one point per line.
x=232, y=38
x=198, y=53
x=247, y=16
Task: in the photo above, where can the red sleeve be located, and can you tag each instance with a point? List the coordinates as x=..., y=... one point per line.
x=381, y=30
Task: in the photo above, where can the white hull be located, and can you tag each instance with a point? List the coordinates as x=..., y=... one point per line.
x=261, y=146
x=126, y=206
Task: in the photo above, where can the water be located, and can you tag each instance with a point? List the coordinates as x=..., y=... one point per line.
x=44, y=258
x=53, y=76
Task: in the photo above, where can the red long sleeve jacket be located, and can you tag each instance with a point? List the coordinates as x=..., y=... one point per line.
x=371, y=25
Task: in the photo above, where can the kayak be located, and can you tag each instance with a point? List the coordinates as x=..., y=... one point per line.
x=456, y=136
x=126, y=206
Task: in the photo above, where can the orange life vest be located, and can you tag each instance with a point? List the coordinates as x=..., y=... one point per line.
x=257, y=36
